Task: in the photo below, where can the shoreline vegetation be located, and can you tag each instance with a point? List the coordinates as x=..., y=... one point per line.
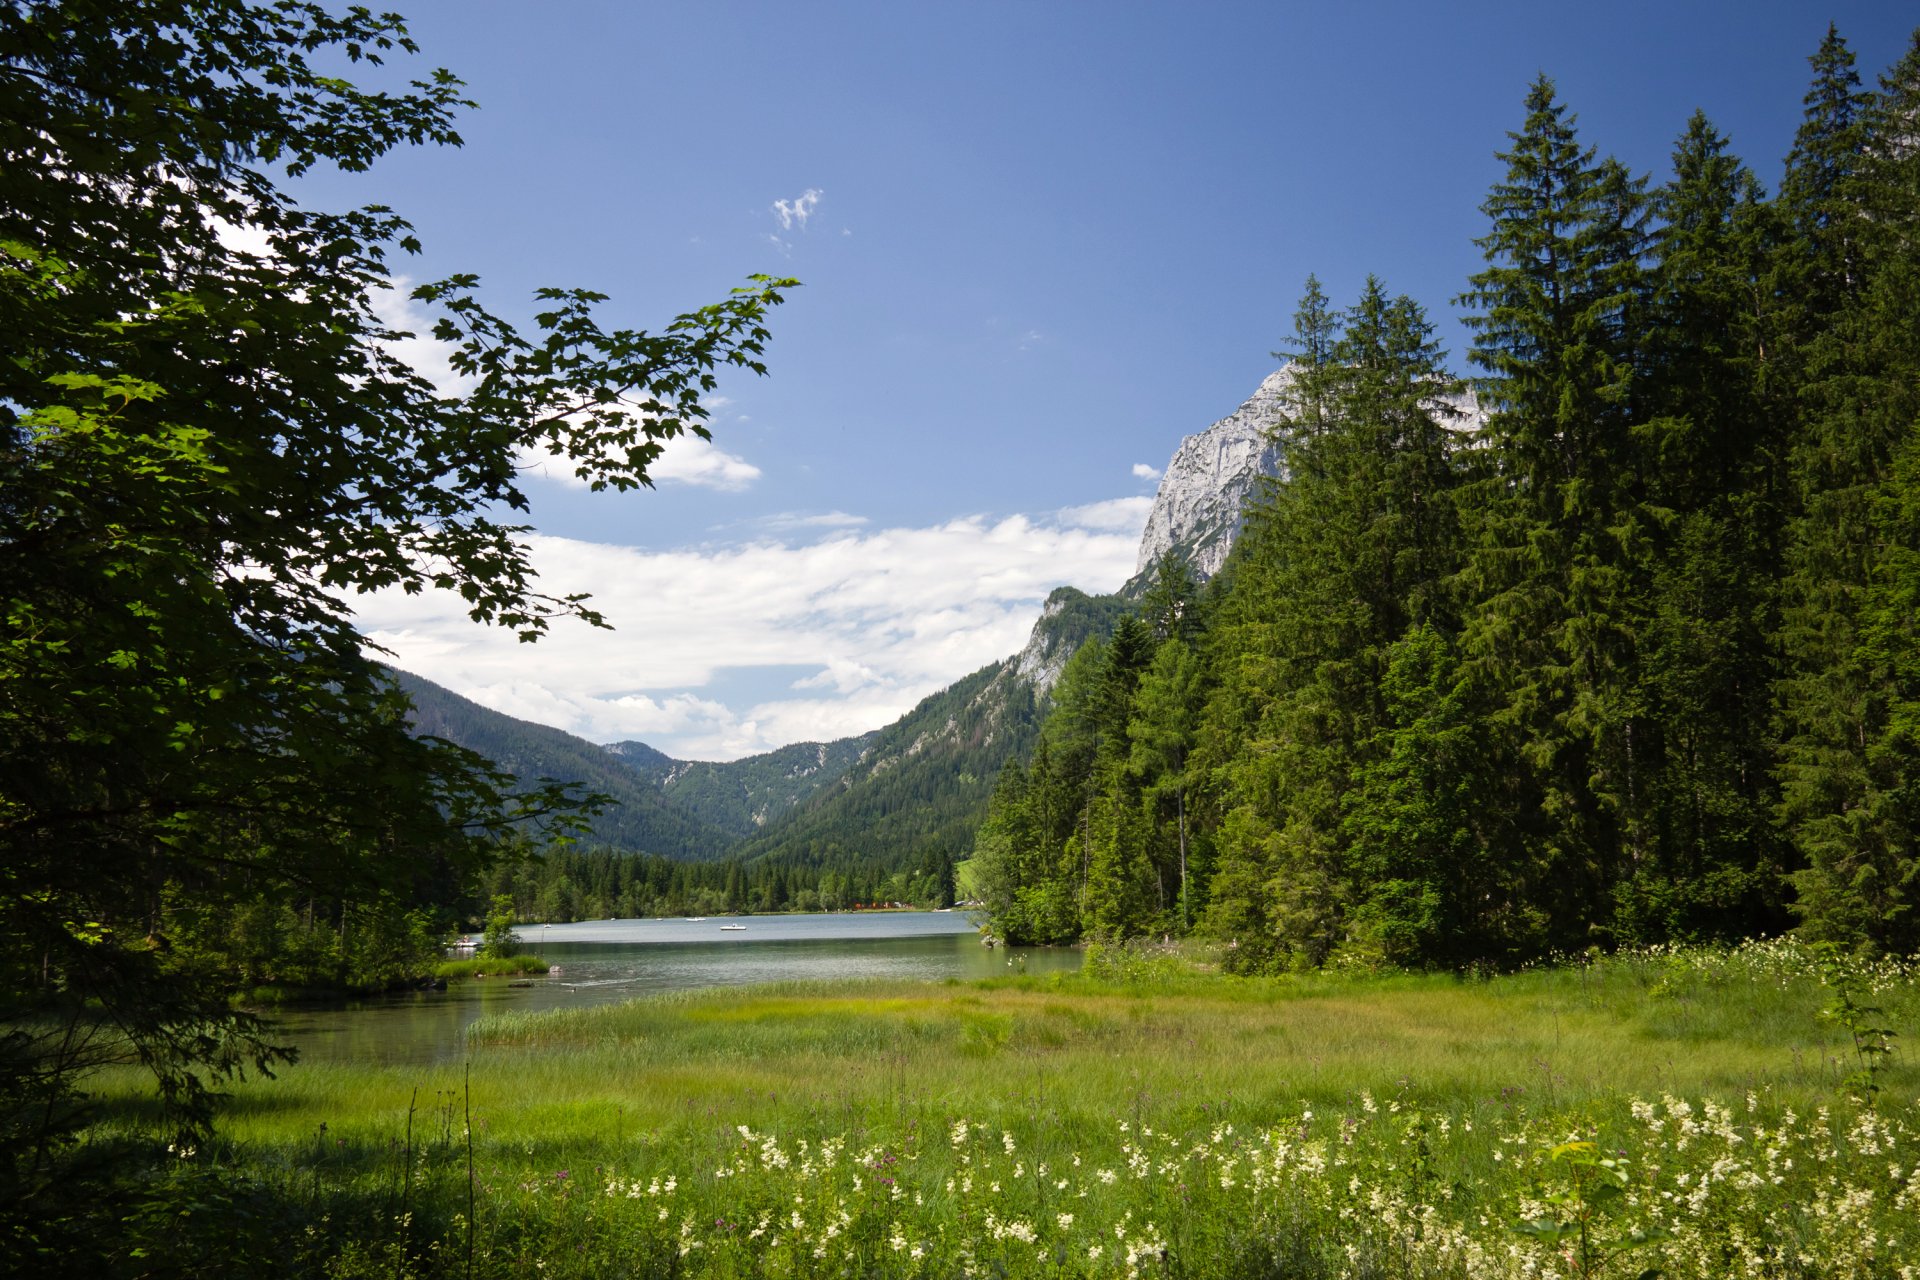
x=434, y=977
x=1705, y=1112
x=490, y=967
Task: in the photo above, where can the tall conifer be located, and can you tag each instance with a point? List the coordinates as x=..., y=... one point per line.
x=1710, y=860
x=1850, y=697
x=1554, y=595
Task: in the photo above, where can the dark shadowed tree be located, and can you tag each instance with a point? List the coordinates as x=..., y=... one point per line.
x=207, y=447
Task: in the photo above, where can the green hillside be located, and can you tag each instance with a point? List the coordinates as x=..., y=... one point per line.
x=909, y=795
x=641, y=819
x=919, y=792
x=740, y=797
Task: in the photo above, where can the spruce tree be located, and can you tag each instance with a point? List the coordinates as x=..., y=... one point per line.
x=1848, y=694
x=1554, y=596
x=1705, y=858
x=1166, y=710
x=1356, y=542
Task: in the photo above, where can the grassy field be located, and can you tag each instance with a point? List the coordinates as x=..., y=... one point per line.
x=1708, y=1117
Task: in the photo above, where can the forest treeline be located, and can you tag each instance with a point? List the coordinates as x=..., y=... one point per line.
x=600, y=883
x=1633, y=661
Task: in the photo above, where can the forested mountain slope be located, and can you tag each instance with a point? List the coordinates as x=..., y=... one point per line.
x=641, y=819
x=922, y=786
x=741, y=797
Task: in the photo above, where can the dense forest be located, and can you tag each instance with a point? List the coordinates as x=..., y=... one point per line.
x=1634, y=662
x=601, y=883
x=741, y=797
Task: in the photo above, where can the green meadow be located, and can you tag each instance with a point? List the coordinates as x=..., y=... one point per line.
x=1700, y=1113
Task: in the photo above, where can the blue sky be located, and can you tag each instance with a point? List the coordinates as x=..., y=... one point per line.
x=1039, y=244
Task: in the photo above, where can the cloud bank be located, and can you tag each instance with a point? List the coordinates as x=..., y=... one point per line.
x=873, y=619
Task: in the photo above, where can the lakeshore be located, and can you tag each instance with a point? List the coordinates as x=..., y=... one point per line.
x=604, y=962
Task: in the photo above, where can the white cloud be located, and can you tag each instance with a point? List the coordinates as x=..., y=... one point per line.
x=1142, y=471
x=684, y=459
x=795, y=212
x=1116, y=515
x=691, y=460
x=786, y=520
x=882, y=617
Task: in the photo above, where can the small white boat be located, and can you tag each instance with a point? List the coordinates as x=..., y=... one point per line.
x=725, y=927
x=695, y=919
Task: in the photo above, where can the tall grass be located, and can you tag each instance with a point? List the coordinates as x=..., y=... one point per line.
x=489, y=966
x=1154, y=1121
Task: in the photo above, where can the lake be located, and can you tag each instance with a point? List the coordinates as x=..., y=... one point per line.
x=607, y=961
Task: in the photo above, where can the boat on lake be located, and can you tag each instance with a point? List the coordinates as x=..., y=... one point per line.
x=732, y=926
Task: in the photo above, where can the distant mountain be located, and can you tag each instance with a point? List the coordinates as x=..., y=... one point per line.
x=921, y=786
x=642, y=819
x=917, y=788
x=1204, y=491
x=740, y=797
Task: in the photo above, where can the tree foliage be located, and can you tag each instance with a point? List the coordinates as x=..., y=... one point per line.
x=1635, y=661
x=207, y=446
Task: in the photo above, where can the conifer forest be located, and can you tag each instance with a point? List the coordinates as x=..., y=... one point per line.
x=1633, y=662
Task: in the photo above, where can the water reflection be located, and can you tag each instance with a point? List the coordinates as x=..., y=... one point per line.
x=604, y=962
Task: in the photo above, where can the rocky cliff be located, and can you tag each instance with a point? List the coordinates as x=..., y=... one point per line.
x=1206, y=485
x=1205, y=489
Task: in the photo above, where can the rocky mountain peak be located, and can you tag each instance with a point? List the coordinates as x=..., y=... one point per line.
x=1206, y=485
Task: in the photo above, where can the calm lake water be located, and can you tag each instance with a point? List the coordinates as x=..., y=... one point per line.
x=607, y=961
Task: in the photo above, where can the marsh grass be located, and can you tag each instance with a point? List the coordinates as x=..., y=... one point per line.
x=1313, y=1125
x=489, y=966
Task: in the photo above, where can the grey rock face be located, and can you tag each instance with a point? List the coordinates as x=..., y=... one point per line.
x=1206, y=486
x=1045, y=656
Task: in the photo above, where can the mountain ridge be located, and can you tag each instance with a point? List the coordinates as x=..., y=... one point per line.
x=916, y=788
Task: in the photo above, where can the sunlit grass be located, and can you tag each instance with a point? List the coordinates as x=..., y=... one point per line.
x=1407, y=1085
x=489, y=966
x=1074, y=1048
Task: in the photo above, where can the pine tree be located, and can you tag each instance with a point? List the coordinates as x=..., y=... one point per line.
x=1848, y=695
x=1422, y=816
x=1356, y=542
x=1820, y=193
x=1707, y=860
x=1310, y=358
x=1170, y=606
x=1162, y=730
x=1554, y=600
x=1123, y=895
